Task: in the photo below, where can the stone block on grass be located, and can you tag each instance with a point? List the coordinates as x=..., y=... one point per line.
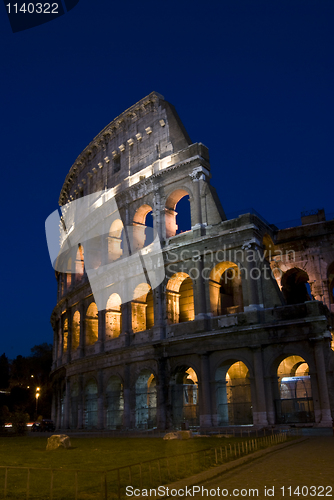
x=178, y=435
x=58, y=441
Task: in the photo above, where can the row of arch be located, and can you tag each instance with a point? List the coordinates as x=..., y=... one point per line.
x=180, y=308
x=226, y=297
x=121, y=243
x=233, y=396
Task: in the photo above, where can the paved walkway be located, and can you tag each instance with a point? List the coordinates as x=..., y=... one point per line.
x=309, y=463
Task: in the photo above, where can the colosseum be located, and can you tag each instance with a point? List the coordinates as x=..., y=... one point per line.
x=227, y=323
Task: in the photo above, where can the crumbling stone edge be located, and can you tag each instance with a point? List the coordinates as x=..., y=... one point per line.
x=216, y=471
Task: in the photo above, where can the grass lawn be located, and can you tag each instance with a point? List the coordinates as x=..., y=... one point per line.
x=94, y=455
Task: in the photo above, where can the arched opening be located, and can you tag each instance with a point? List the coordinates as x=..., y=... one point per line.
x=184, y=385
x=79, y=263
x=177, y=223
x=295, y=403
x=114, y=403
x=91, y=324
x=295, y=286
x=330, y=274
x=93, y=253
x=142, y=227
x=115, y=240
x=142, y=308
x=146, y=401
x=69, y=273
x=233, y=394
x=65, y=335
x=225, y=289
x=113, y=316
x=90, y=408
x=75, y=330
x=74, y=405
x=180, y=299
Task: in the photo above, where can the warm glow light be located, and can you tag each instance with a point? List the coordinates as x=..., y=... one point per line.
x=38, y=389
x=37, y=395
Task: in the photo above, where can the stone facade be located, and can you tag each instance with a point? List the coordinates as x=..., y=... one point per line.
x=239, y=330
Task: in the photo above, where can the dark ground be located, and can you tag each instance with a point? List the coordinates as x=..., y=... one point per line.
x=309, y=463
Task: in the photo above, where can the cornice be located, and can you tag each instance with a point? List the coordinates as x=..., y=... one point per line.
x=100, y=141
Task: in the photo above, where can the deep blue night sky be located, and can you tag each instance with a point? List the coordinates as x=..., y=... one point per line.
x=251, y=79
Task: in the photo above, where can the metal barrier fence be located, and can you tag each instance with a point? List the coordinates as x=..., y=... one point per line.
x=33, y=483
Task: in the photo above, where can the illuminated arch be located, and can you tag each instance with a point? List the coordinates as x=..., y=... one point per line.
x=113, y=316
x=295, y=402
x=142, y=234
x=115, y=250
x=184, y=393
x=180, y=299
x=91, y=324
x=225, y=289
x=79, y=263
x=146, y=400
x=65, y=335
x=170, y=218
x=142, y=308
x=75, y=330
x=233, y=394
x=69, y=273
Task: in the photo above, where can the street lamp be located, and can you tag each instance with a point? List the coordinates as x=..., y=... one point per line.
x=37, y=396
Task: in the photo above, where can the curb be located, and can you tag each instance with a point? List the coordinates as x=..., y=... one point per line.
x=211, y=473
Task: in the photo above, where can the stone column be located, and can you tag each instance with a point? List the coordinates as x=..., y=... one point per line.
x=196, y=209
x=101, y=330
x=82, y=330
x=80, y=402
x=54, y=406
x=326, y=418
x=55, y=346
x=100, y=401
x=126, y=309
x=69, y=336
x=270, y=400
x=127, y=398
x=158, y=216
x=199, y=290
x=160, y=313
x=58, y=407
x=162, y=394
x=260, y=415
x=251, y=278
x=67, y=403
x=205, y=403
x=60, y=342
